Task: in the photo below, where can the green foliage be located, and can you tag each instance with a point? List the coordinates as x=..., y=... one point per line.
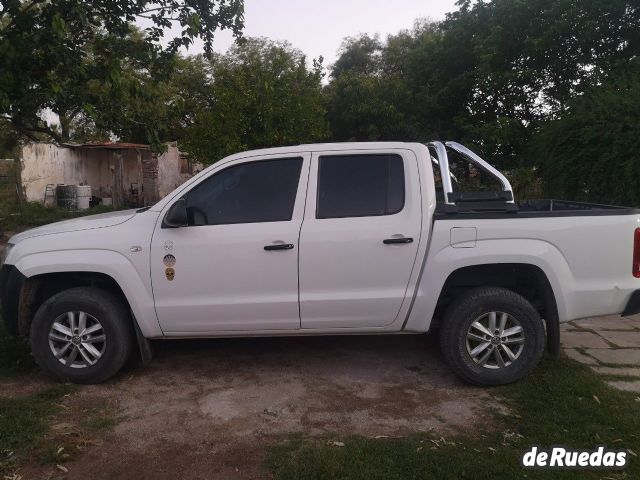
x=489, y=75
x=8, y=140
x=592, y=152
x=555, y=406
x=526, y=59
x=358, y=55
x=75, y=57
x=260, y=94
x=367, y=107
x=494, y=74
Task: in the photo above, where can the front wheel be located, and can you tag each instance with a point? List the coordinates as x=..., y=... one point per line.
x=81, y=335
x=492, y=336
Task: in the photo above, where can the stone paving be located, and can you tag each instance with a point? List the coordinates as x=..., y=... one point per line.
x=609, y=345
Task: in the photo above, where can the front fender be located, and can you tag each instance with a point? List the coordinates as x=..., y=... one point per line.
x=441, y=263
x=107, y=262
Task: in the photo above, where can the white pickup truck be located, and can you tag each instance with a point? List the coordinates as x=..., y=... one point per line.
x=328, y=239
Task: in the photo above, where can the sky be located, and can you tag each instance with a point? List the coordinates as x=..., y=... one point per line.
x=317, y=27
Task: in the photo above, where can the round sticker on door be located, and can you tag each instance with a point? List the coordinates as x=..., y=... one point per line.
x=170, y=273
x=169, y=260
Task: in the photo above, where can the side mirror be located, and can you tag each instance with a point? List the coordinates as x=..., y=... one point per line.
x=176, y=216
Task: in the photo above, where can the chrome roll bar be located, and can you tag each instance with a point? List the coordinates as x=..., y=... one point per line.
x=445, y=173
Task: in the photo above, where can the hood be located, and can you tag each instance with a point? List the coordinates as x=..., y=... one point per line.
x=81, y=223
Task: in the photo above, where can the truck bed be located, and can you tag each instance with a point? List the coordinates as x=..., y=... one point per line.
x=531, y=209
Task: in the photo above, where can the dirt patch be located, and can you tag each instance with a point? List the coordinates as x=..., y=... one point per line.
x=205, y=409
x=23, y=385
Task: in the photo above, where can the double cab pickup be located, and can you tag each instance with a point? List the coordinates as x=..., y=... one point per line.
x=327, y=239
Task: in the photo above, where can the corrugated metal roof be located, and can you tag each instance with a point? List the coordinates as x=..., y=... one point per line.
x=109, y=146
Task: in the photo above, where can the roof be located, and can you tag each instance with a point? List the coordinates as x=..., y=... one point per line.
x=345, y=147
x=109, y=146
x=325, y=147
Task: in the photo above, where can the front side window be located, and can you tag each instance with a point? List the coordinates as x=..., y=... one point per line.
x=261, y=191
x=360, y=185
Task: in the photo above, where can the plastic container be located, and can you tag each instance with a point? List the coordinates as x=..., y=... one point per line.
x=83, y=196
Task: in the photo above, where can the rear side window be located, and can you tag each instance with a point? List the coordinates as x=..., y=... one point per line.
x=263, y=191
x=360, y=185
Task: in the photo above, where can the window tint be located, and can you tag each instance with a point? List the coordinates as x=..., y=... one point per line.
x=360, y=185
x=263, y=191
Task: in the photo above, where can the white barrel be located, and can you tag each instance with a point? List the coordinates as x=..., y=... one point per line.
x=84, y=196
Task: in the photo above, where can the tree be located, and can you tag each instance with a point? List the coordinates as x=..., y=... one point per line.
x=370, y=96
x=367, y=107
x=261, y=94
x=8, y=140
x=358, y=55
x=523, y=61
x=69, y=56
x=592, y=152
x=489, y=75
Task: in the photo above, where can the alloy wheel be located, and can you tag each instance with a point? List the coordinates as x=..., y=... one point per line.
x=77, y=339
x=495, y=340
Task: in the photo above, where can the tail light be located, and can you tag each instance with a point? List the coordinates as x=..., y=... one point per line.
x=636, y=253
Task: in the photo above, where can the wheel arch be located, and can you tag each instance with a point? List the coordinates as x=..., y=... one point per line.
x=39, y=288
x=526, y=279
x=103, y=268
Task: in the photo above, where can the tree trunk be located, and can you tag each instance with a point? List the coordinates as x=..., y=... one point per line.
x=65, y=124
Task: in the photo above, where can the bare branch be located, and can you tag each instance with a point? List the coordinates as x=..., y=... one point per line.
x=27, y=130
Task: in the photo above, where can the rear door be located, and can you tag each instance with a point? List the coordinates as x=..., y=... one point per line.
x=359, y=239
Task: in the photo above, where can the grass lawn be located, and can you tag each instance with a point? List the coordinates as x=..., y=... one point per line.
x=24, y=422
x=562, y=403
x=15, y=216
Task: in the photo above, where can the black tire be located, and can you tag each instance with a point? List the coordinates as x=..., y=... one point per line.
x=471, y=305
x=112, y=315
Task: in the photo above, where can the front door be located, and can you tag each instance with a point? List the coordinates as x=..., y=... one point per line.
x=235, y=267
x=359, y=240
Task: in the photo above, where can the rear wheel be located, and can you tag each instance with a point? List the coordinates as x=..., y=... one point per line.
x=82, y=335
x=492, y=336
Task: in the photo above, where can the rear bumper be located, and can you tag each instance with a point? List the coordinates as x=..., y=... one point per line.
x=633, y=305
x=11, y=282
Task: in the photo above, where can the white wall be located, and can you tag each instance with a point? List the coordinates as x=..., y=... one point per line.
x=169, y=170
x=46, y=163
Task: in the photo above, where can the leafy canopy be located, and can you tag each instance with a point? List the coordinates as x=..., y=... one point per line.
x=490, y=74
x=592, y=152
x=69, y=56
x=260, y=94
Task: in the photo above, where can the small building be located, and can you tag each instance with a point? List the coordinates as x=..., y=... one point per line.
x=121, y=174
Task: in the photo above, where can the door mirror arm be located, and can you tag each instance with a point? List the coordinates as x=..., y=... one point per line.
x=176, y=216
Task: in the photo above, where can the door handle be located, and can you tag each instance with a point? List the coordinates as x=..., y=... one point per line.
x=279, y=246
x=391, y=241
